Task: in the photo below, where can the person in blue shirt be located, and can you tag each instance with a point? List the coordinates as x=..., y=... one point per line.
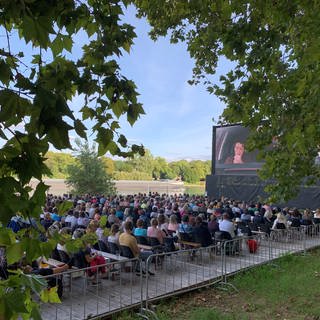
x=185, y=229
x=119, y=213
x=140, y=231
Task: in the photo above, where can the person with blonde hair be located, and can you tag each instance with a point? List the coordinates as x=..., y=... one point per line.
x=173, y=223
x=154, y=232
x=280, y=222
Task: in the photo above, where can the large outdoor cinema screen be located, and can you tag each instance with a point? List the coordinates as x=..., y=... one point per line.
x=230, y=155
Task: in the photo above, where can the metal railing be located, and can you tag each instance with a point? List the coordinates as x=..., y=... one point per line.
x=86, y=298
x=172, y=273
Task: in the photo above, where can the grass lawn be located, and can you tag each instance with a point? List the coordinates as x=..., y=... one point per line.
x=287, y=289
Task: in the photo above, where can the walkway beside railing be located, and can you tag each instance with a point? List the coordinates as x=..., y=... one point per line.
x=176, y=272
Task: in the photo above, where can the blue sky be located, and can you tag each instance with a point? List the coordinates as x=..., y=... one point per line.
x=178, y=121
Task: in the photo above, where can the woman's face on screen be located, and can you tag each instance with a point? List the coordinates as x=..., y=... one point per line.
x=239, y=149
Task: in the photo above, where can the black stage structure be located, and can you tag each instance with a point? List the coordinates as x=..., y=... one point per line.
x=234, y=172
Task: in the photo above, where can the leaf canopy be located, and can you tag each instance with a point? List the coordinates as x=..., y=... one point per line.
x=272, y=85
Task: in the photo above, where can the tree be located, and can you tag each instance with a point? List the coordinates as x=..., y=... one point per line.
x=88, y=175
x=161, y=169
x=143, y=163
x=58, y=163
x=108, y=165
x=272, y=86
x=40, y=75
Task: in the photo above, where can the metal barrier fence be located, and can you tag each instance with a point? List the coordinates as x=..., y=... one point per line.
x=182, y=270
x=172, y=273
x=83, y=299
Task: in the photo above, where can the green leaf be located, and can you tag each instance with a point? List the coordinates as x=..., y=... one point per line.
x=57, y=45
x=35, y=313
x=122, y=140
x=112, y=147
x=126, y=46
x=32, y=248
x=35, y=282
x=15, y=301
x=87, y=113
x=58, y=136
x=63, y=207
x=14, y=252
x=6, y=237
x=5, y=73
x=39, y=195
x=118, y=107
x=134, y=112
x=80, y=128
x=67, y=42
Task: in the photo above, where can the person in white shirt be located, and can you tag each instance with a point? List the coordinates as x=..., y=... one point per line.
x=226, y=225
x=71, y=219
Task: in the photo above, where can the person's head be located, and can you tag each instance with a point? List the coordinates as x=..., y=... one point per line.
x=47, y=216
x=114, y=228
x=96, y=217
x=239, y=149
x=154, y=222
x=268, y=214
x=78, y=233
x=281, y=217
x=93, y=226
x=161, y=218
x=173, y=219
x=128, y=226
x=198, y=220
x=226, y=216
x=140, y=223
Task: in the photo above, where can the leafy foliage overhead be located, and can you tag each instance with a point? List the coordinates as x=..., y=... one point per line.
x=41, y=77
x=272, y=87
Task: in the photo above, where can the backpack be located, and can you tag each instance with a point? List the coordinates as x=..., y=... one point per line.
x=252, y=245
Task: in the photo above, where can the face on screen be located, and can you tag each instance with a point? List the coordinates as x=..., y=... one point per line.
x=230, y=153
x=239, y=149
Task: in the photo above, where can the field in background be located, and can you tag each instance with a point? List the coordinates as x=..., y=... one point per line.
x=58, y=187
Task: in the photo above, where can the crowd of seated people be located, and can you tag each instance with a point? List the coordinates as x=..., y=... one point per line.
x=154, y=220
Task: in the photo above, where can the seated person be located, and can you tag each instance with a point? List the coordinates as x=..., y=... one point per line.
x=213, y=224
x=154, y=232
x=46, y=222
x=201, y=233
x=316, y=217
x=115, y=234
x=87, y=257
x=226, y=225
x=258, y=218
x=140, y=230
x=185, y=229
x=294, y=220
x=306, y=218
x=126, y=239
x=48, y=271
x=173, y=225
x=246, y=216
x=280, y=222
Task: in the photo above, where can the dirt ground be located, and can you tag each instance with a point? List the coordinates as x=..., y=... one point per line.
x=58, y=186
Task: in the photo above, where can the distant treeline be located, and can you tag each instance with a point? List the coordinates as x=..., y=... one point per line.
x=138, y=168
